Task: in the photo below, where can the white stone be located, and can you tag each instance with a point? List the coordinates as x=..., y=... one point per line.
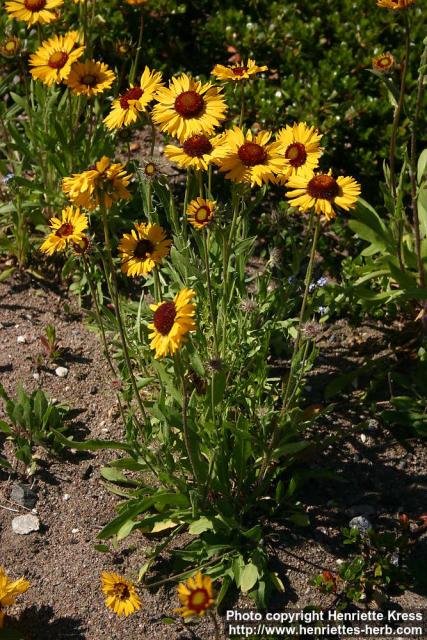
x=36, y=376
x=75, y=530
x=21, y=339
x=25, y=524
x=61, y=372
x=66, y=496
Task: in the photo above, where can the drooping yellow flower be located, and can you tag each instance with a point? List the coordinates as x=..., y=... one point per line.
x=136, y=2
x=121, y=595
x=237, y=72
x=143, y=248
x=126, y=109
x=33, y=11
x=323, y=192
x=383, y=63
x=53, y=59
x=252, y=158
x=395, y=4
x=105, y=180
x=200, y=212
x=301, y=149
x=187, y=107
x=196, y=596
x=171, y=321
x=66, y=230
x=10, y=46
x=198, y=151
x=9, y=591
x=90, y=78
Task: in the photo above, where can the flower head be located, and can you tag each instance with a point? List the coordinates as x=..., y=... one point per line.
x=33, y=11
x=128, y=106
x=136, y=2
x=198, y=151
x=10, y=46
x=90, y=78
x=252, y=158
x=105, y=179
x=66, y=231
x=200, y=212
x=9, y=590
x=237, y=72
x=53, y=59
x=153, y=167
x=196, y=596
x=383, y=63
x=395, y=4
x=323, y=192
x=301, y=148
x=143, y=248
x=121, y=595
x=187, y=107
x=171, y=321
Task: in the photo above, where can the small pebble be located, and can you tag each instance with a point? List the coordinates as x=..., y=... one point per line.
x=363, y=438
x=21, y=339
x=22, y=525
x=361, y=523
x=61, y=372
x=66, y=496
x=75, y=530
x=22, y=494
x=36, y=376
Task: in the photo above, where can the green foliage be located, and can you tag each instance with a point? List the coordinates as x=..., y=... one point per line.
x=32, y=421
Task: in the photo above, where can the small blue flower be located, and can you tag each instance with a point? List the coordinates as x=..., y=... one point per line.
x=322, y=282
x=8, y=177
x=311, y=287
x=292, y=280
x=323, y=310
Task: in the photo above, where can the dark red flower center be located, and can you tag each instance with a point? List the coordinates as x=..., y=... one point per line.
x=252, y=153
x=198, y=600
x=58, y=59
x=239, y=71
x=121, y=591
x=164, y=317
x=384, y=62
x=189, y=104
x=133, y=94
x=143, y=249
x=34, y=5
x=296, y=154
x=197, y=146
x=202, y=214
x=66, y=229
x=324, y=187
x=89, y=79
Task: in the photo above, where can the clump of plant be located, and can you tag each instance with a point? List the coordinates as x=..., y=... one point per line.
x=51, y=345
x=32, y=421
x=375, y=570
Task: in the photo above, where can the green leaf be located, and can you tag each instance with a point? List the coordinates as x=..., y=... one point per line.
x=199, y=526
x=422, y=166
x=91, y=445
x=249, y=577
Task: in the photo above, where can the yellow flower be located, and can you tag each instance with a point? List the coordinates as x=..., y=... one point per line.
x=323, y=192
x=126, y=109
x=104, y=178
x=237, y=72
x=301, y=149
x=171, y=321
x=395, y=4
x=10, y=46
x=90, y=78
x=53, y=59
x=122, y=597
x=187, y=107
x=65, y=231
x=33, y=11
x=136, y=2
x=383, y=63
x=142, y=249
x=198, y=151
x=252, y=158
x=9, y=590
x=200, y=212
x=196, y=596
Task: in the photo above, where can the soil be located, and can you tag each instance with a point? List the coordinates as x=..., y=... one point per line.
x=60, y=561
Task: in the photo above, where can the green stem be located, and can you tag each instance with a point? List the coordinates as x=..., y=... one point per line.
x=227, y=243
x=285, y=405
x=398, y=110
x=210, y=296
x=117, y=305
x=186, y=432
x=413, y=168
x=242, y=102
x=138, y=51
